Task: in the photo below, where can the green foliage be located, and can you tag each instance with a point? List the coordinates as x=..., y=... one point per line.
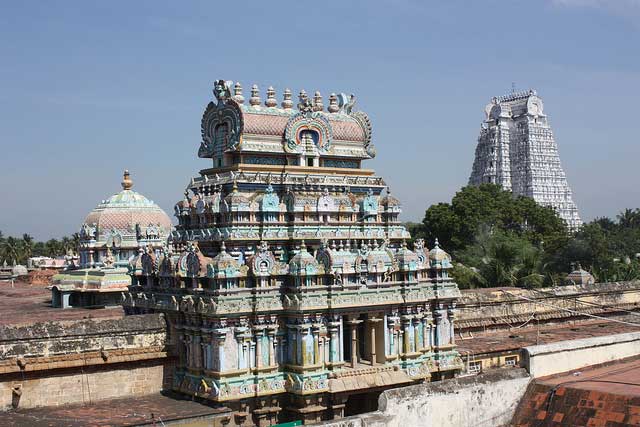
x=497, y=239
x=15, y=250
x=457, y=224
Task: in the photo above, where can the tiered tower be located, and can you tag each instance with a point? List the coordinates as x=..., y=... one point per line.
x=516, y=150
x=288, y=285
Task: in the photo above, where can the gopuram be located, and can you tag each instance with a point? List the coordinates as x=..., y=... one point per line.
x=288, y=285
x=516, y=149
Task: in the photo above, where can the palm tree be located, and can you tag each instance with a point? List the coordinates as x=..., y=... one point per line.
x=629, y=218
x=28, y=244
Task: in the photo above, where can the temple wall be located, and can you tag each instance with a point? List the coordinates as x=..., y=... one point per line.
x=499, y=308
x=563, y=356
x=65, y=362
x=486, y=399
x=82, y=385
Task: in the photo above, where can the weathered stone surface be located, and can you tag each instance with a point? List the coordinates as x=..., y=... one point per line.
x=497, y=308
x=81, y=361
x=486, y=399
x=63, y=337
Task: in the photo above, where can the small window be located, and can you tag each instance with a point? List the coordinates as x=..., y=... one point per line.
x=511, y=361
x=474, y=367
x=309, y=162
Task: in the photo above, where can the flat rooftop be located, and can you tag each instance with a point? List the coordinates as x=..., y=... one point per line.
x=517, y=338
x=132, y=411
x=621, y=378
x=24, y=303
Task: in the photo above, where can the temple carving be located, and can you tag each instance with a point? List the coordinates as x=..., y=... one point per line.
x=288, y=284
x=516, y=149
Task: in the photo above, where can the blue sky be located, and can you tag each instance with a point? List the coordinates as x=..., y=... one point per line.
x=88, y=89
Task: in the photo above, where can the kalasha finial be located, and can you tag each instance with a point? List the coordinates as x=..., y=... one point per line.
x=302, y=96
x=255, y=96
x=126, y=183
x=271, y=97
x=317, y=102
x=287, y=103
x=333, y=104
x=237, y=93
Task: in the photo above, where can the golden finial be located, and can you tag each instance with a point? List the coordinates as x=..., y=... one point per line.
x=126, y=183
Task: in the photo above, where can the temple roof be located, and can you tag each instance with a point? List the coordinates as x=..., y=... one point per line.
x=126, y=209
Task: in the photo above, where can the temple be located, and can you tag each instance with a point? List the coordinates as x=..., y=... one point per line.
x=516, y=149
x=288, y=284
x=110, y=236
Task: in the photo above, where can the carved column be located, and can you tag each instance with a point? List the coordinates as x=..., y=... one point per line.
x=354, y=341
x=334, y=327
x=315, y=330
x=406, y=324
x=438, y=321
x=258, y=333
x=243, y=347
x=417, y=324
x=426, y=331
x=372, y=334
x=451, y=313
x=271, y=333
x=391, y=333
x=220, y=335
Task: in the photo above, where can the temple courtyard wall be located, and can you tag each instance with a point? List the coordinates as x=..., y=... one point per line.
x=492, y=398
x=491, y=309
x=82, y=361
x=487, y=399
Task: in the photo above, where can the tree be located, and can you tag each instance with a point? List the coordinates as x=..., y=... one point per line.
x=457, y=224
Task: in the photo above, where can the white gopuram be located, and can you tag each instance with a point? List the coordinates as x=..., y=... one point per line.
x=516, y=150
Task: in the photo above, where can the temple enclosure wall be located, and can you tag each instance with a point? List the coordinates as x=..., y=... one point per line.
x=486, y=399
x=499, y=308
x=563, y=356
x=81, y=361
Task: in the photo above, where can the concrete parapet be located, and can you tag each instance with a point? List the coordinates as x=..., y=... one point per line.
x=563, y=356
x=486, y=399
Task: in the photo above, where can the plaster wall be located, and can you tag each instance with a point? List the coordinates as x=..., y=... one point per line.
x=488, y=399
x=550, y=359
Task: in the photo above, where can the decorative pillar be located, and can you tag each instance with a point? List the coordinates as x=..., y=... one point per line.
x=243, y=348
x=271, y=332
x=315, y=329
x=406, y=323
x=372, y=336
x=334, y=327
x=258, y=333
x=417, y=324
x=426, y=340
x=391, y=333
x=220, y=335
x=451, y=313
x=354, y=344
x=437, y=334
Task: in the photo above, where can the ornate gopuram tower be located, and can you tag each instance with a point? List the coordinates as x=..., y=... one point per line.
x=288, y=285
x=516, y=150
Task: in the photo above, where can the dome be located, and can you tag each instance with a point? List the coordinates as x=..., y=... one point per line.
x=235, y=200
x=303, y=262
x=406, y=258
x=128, y=212
x=438, y=257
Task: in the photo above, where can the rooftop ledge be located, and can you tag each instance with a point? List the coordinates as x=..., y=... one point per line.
x=288, y=168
